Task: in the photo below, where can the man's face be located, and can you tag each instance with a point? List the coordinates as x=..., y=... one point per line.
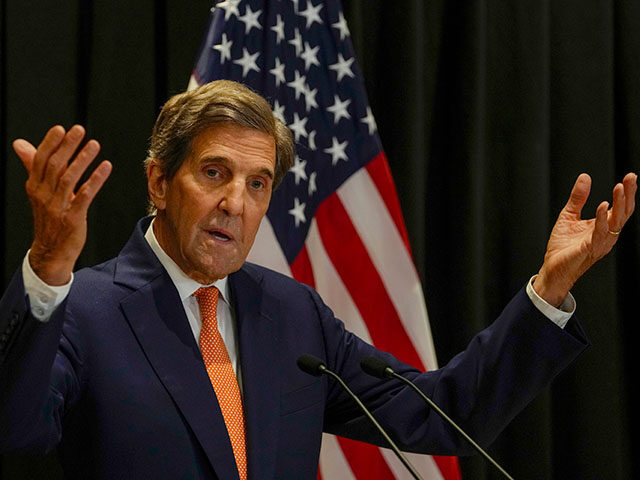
x=210, y=211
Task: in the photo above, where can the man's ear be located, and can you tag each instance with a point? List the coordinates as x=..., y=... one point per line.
x=157, y=184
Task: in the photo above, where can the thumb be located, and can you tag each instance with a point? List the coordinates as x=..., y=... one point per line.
x=25, y=151
x=579, y=195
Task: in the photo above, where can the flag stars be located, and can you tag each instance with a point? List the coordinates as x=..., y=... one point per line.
x=342, y=67
x=297, y=42
x=298, y=212
x=295, y=5
x=250, y=20
x=339, y=109
x=341, y=26
x=278, y=111
x=312, y=140
x=312, y=14
x=248, y=61
x=370, y=121
x=337, y=151
x=310, y=56
x=230, y=7
x=298, y=127
x=312, y=184
x=298, y=84
x=310, y=98
x=279, y=29
x=224, y=48
x=278, y=72
x=298, y=169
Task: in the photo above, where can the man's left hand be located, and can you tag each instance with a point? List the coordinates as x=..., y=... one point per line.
x=576, y=244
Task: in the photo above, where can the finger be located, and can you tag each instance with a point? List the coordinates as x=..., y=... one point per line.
x=25, y=152
x=90, y=188
x=71, y=176
x=617, y=214
x=49, y=144
x=630, y=187
x=60, y=158
x=601, y=228
x=579, y=195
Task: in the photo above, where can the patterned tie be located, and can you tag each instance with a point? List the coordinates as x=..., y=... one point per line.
x=222, y=375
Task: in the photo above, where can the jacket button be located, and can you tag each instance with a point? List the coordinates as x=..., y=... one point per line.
x=4, y=338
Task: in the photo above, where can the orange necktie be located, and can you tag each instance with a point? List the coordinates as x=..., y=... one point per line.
x=221, y=374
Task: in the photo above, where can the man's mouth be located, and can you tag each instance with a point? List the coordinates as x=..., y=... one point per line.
x=220, y=235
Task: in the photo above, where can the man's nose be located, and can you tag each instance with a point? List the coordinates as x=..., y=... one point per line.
x=232, y=202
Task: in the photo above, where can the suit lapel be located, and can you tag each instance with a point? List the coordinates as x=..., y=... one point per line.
x=258, y=340
x=154, y=311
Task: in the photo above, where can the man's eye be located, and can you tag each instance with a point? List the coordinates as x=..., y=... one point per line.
x=257, y=184
x=211, y=173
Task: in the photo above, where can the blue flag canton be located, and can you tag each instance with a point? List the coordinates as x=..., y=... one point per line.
x=298, y=55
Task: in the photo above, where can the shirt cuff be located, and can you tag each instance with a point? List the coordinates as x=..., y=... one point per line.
x=43, y=298
x=561, y=315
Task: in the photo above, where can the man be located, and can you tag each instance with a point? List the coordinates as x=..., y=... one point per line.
x=121, y=367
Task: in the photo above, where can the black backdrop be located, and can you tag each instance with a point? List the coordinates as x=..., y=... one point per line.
x=488, y=110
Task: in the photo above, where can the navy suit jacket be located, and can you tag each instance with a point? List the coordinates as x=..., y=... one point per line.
x=115, y=379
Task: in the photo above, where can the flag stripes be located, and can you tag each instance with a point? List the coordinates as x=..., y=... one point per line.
x=385, y=246
x=351, y=259
x=366, y=461
x=333, y=464
x=331, y=287
x=426, y=465
x=301, y=268
x=380, y=174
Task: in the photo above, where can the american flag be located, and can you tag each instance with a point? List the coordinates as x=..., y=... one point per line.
x=335, y=222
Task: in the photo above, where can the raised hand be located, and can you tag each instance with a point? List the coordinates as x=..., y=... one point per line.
x=576, y=244
x=59, y=214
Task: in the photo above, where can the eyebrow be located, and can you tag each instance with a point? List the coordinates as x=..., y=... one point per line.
x=225, y=161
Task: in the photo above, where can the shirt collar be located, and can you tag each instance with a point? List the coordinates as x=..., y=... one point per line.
x=186, y=286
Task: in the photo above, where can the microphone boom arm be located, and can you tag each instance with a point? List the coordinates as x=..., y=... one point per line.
x=394, y=447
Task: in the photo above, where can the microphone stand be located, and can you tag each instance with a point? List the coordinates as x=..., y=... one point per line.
x=314, y=366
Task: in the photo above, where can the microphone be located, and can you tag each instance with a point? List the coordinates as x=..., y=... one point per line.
x=311, y=365
x=314, y=366
x=380, y=369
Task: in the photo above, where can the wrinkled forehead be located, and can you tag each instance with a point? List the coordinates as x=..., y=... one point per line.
x=235, y=143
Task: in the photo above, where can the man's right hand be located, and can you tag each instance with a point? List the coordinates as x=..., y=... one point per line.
x=59, y=214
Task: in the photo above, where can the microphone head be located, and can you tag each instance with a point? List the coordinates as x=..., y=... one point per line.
x=311, y=365
x=375, y=367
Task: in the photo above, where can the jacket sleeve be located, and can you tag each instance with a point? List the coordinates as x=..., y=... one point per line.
x=503, y=368
x=40, y=368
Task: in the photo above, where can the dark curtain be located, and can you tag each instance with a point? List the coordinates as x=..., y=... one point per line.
x=488, y=110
